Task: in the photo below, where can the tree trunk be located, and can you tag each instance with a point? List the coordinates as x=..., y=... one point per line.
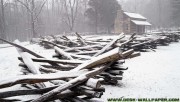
x=33, y=32
x=159, y=16
x=96, y=23
x=2, y=19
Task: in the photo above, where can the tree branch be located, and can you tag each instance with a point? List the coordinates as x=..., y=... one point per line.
x=25, y=6
x=40, y=10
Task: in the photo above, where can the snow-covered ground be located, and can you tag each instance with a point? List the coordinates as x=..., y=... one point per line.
x=152, y=75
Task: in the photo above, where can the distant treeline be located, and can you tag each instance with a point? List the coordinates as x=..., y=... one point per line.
x=24, y=19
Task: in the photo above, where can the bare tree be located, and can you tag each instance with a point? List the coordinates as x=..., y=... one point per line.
x=31, y=8
x=71, y=9
x=2, y=21
x=159, y=13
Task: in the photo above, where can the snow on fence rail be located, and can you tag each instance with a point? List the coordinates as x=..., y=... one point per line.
x=81, y=66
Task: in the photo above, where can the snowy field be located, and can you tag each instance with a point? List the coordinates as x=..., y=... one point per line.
x=152, y=75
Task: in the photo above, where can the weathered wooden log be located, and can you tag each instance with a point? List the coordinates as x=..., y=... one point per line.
x=90, y=84
x=25, y=70
x=140, y=44
x=26, y=50
x=120, y=62
x=22, y=65
x=110, y=82
x=56, y=61
x=125, y=42
x=100, y=89
x=31, y=79
x=58, y=82
x=109, y=44
x=63, y=53
x=46, y=45
x=117, y=77
x=70, y=84
x=110, y=56
x=107, y=57
x=103, y=41
x=56, y=56
x=36, y=85
x=117, y=67
x=94, y=83
x=66, y=66
x=87, y=52
x=92, y=93
x=32, y=67
x=80, y=39
x=61, y=68
x=127, y=53
x=80, y=56
x=115, y=72
x=133, y=36
x=63, y=95
x=93, y=42
x=25, y=92
x=77, y=99
x=9, y=100
x=110, y=76
x=80, y=90
x=23, y=48
x=75, y=56
x=73, y=42
x=57, y=45
x=29, y=63
x=63, y=38
x=83, y=48
x=28, y=86
x=135, y=54
x=67, y=93
x=47, y=70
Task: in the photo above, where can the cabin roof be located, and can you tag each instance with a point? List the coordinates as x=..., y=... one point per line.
x=141, y=22
x=135, y=15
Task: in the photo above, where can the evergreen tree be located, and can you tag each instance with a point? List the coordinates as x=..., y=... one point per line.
x=102, y=14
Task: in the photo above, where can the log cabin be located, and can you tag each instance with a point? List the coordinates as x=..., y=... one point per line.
x=130, y=23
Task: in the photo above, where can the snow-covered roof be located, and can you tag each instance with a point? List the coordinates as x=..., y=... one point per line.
x=141, y=22
x=134, y=15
